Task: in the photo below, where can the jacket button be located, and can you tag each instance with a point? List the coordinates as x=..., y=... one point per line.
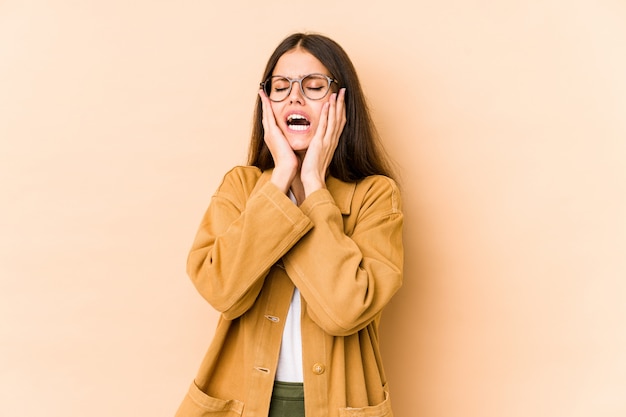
x=318, y=369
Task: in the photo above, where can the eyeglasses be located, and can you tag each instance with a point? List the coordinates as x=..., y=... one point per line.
x=312, y=86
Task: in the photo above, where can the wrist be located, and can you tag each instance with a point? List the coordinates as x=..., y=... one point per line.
x=313, y=185
x=282, y=178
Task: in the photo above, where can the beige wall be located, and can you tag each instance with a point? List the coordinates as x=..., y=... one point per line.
x=118, y=120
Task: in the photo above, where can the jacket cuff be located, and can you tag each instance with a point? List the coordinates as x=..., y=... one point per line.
x=319, y=197
x=283, y=203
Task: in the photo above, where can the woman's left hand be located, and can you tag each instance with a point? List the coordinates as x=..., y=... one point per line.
x=322, y=147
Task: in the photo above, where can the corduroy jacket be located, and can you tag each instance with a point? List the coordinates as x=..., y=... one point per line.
x=342, y=247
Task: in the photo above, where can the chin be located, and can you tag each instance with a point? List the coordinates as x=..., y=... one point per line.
x=299, y=144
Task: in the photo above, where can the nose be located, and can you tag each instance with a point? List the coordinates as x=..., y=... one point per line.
x=295, y=95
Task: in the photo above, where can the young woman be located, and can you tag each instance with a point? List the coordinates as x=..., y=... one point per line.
x=300, y=251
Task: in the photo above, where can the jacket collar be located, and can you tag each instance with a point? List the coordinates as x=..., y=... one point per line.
x=342, y=192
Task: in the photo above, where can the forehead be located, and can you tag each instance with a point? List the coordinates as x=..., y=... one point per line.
x=297, y=63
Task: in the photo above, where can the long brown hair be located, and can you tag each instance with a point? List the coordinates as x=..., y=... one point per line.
x=359, y=153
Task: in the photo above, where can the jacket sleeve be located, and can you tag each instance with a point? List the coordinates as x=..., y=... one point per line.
x=244, y=231
x=346, y=280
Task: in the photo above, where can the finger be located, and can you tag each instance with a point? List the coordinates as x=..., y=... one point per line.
x=338, y=116
x=329, y=117
x=341, y=101
x=268, y=119
x=264, y=111
x=340, y=109
x=322, y=128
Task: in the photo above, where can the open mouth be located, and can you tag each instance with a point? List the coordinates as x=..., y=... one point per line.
x=298, y=122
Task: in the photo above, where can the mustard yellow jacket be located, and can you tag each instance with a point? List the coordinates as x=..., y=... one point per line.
x=342, y=248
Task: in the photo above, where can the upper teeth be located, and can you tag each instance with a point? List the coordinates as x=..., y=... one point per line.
x=295, y=116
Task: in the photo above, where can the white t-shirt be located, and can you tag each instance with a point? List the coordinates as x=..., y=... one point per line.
x=290, y=360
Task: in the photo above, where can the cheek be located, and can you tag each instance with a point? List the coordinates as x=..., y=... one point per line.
x=317, y=112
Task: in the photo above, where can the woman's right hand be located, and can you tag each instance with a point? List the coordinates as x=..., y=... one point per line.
x=286, y=163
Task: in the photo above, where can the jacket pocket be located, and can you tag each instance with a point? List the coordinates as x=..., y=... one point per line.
x=380, y=410
x=198, y=404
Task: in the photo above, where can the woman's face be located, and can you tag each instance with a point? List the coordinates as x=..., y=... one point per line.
x=289, y=112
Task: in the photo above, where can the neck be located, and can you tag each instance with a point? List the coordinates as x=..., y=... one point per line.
x=298, y=189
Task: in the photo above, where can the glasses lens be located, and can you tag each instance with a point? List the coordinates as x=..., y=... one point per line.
x=277, y=88
x=315, y=86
